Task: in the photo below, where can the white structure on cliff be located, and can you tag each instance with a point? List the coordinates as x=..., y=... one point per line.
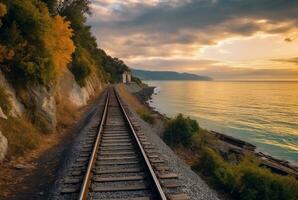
x=126, y=77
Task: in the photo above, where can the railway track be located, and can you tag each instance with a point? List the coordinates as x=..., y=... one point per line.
x=117, y=162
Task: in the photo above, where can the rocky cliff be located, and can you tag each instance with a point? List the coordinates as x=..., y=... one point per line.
x=40, y=102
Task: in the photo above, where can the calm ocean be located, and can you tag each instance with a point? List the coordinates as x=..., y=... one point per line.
x=262, y=113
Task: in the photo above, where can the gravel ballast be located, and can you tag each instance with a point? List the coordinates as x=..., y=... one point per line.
x=90, y=119
x=194, y=185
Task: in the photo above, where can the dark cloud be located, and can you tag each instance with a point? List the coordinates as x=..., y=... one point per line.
x=199, y=14
x=287, y=60
x=288, y=39
x=143, y=26
x=154, y=35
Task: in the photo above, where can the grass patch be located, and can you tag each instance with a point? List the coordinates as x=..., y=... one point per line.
x=66, y=113
x=146, y=116
x=133, y=102
x=21, y=135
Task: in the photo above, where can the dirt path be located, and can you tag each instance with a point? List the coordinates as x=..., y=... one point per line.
x=35, y=179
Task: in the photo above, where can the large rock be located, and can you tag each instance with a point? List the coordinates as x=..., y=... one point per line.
x=67, y=88
x=44, y=107
x=2, y=115
x=17, y=108
x=3, y=146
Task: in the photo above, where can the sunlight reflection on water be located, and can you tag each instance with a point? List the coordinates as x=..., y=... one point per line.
x=263, y=113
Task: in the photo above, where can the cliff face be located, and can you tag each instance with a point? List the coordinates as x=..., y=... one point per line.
x=67, y=88
x=40, y=103
x=17, y=108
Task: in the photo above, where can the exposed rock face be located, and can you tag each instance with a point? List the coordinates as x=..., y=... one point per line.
x=40, y=102
x=2, y=115
x=67, y=88
x=44, y=107
x=3, y=146
x=17, y=107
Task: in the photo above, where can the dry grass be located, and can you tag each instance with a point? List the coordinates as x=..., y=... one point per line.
x=67, y=113
x=143, y=111
x=21, y=135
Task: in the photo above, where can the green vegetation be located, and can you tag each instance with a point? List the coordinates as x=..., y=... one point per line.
x=243, y=178
x=5, y=103
x=40, y=44
x=180, y=130
x=88, y=56
x=246, y=180
x=146, y=116
x=39, y=39
x=80, y=66
x=137, y=81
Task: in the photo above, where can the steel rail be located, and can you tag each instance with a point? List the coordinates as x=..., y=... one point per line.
x=153, y=176
x=87, y=179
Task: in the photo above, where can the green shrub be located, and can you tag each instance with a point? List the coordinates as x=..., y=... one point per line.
x=40, y=44
x=202, y=139
x=180, y=130
x=81, y=71
x=246, y=180
x=260, y=183
x=5, y=103
x=137, y=81
x=81, y=66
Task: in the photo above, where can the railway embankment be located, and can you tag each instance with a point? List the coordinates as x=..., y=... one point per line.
x=195, y=186
x=21, y=176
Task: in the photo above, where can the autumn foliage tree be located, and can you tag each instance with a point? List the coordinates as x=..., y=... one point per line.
x=40, y=39
x=88, y=56
x=59, y=43
x=41, y=42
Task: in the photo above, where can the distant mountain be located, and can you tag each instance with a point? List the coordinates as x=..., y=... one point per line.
x=167, y=75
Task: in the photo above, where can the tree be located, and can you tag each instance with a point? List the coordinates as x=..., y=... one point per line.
x=59, y=44
x=4, y=52
x=42, y=43
x=52, y=6
x=81, y=65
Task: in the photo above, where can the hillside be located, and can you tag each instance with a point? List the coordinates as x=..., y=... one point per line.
x=50, y=67
x=167, y=75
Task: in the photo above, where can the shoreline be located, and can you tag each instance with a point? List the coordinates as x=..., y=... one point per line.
x=230, y=144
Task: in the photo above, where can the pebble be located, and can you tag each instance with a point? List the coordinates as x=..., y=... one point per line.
x=21, y=166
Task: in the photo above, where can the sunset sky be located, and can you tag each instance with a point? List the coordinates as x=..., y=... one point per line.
x=225, y=39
